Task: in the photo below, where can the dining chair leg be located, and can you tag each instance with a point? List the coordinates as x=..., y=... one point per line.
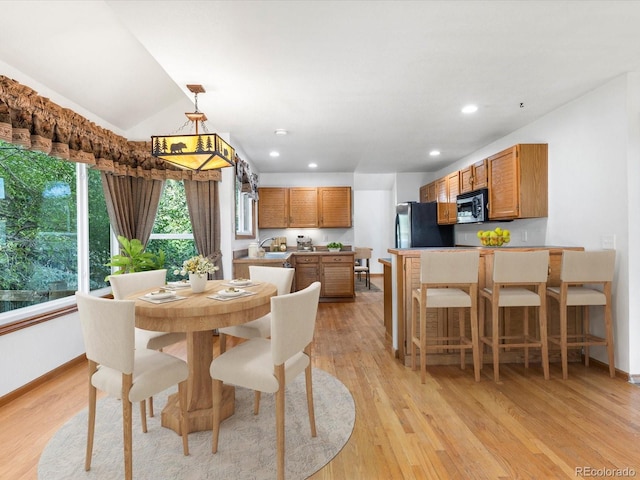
x=413, y=333
x=423, y=341
x=461, y=327
x=151, y=406
x=475, y=339
x=184, y=419
x=91, y=421
x=127, y=425
x=608, y=325
x=256, y=402
x=279, y=372
x=222, y=338
x=310, y=408
x=525, y=327
x=586, y=332
x=217, y=405
x=143, y=415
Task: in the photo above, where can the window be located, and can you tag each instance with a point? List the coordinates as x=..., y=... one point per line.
x=172, y=231
x=40, y=258
x=245, y=213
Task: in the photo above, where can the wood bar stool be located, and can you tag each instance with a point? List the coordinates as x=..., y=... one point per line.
x=447, y=280
x=513, y=272
x=362, y=257
x=578, y=269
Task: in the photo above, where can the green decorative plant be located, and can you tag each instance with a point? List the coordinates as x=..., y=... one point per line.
x=134, y=258
x=334, y=245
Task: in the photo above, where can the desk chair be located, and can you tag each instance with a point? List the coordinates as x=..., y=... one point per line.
x=123, y=371
x=512, y=273
x=267, y=365
x=580, y=273
x=127, y=283
x=447, y=280
x=362, y=258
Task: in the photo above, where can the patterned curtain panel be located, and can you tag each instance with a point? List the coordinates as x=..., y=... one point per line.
x=204, y=212
x=132, y=204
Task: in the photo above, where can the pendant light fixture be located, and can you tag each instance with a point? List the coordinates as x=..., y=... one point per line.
x=199, y=151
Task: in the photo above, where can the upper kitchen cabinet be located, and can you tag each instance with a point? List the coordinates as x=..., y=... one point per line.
x=428, y=193
x=304, y=207
x=474, y=177
x=334, y=207
x=518, y=182
x=447, y=190
x=273, y=207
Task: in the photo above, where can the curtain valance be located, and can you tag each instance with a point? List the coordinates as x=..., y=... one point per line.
x=248, y=180
x=36, y=123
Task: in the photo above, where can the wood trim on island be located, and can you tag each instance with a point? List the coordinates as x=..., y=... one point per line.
x=406, y=277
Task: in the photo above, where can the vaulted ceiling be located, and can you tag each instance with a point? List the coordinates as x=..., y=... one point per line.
x=364, y=86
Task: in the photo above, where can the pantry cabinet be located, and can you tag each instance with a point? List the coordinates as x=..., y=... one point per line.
x=304, y=207
x=518, y=185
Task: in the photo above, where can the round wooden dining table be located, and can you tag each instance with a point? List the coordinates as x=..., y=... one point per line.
x=198, y=316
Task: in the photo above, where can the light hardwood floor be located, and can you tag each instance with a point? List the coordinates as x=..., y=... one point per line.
x=451, y=427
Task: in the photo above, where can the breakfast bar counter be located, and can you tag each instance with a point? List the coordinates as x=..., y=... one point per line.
x=405, y=277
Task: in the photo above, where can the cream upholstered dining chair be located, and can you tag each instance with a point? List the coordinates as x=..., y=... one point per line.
x=282, y=278
x=362, y=258
x=268, y=365
x=585, y=280
x=123, y=371
x=127, y=283
x=512, y=273
x=447, y=280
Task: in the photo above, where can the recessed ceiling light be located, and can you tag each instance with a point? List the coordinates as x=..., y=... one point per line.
x=274, y=154
x=469, y=109
x=313, y=165
x=281, y=131
x=434, y=153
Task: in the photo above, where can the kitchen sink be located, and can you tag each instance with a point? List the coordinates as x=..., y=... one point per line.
x=276, y=254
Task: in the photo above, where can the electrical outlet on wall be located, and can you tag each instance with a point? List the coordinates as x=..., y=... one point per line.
x=608, y=242
x=524, y=236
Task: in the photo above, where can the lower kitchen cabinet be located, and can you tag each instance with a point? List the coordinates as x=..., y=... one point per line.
x=333, y=270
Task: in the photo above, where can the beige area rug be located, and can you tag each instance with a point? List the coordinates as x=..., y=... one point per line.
x=247, y=447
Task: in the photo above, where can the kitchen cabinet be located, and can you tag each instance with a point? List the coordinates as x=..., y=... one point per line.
x=518, y=183
x=273, y=207
x=428, y=193
x=447, y=190
x=333, y=271
x=304, y=207
x=474, y=177
x=334, y=207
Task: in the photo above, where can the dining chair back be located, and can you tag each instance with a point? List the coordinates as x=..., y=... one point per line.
x=268, y=365
x=282, y=278
x=519, y=280
x=126, y=284
x=121, y=371
x=448, y=279
x=362, y=258
x=585, y=280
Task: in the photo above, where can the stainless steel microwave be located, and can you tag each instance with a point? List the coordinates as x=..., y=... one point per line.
x=473, y=206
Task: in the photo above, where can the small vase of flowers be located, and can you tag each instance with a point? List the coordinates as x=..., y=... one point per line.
x=198, y=268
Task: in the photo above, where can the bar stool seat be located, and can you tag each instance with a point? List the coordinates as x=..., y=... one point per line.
x=581, y=272
x=447, y=280
x=512, y=272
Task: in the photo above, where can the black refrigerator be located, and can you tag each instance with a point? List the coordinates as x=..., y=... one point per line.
x=417, y=226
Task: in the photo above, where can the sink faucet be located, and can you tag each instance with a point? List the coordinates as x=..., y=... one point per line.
x=266, y=240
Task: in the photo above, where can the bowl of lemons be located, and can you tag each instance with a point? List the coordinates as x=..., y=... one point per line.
x=494, y=238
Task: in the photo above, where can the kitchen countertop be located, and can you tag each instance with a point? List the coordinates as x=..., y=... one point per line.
x=287, y=256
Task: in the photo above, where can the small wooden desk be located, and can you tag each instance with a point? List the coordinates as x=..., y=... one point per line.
x=198, y=316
